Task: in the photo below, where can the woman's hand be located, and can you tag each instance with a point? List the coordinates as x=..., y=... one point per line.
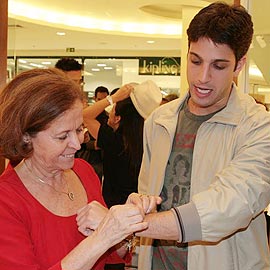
x=90, y=216
x=120, y=222
x=147, y=203
x=122, y=93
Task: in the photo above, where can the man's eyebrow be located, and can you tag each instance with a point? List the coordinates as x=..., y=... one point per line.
x=195, y=54
x=214, y=60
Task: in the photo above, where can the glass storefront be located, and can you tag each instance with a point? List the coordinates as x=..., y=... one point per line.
x=109, y=72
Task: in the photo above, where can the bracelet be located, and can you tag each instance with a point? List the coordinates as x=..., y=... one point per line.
x=131, y=242
x=109, y=98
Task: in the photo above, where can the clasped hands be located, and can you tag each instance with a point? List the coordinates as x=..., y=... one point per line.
x=119, y=221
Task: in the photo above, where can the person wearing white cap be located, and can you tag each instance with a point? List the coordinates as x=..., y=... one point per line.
x=121, y=138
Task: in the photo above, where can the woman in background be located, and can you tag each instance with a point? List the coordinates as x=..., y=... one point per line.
x=121, y=138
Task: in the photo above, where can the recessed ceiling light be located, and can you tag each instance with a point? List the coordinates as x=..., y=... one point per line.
x=95, y=69
x=150, y=41
x=46, y=63
x=61, y=33
x=101, y=65
x=86, y=73
x=263, y=90
x=22, y=61
x=108, y=68
x=36, y=65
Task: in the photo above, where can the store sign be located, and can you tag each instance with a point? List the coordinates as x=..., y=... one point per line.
x=160, y=66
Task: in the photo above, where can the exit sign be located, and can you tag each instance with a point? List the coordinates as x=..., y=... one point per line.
x=70, y=49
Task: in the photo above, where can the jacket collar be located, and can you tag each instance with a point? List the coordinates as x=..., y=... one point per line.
x=233, y=112
x=230, y=115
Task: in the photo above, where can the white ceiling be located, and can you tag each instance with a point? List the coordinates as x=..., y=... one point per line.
x=36, y=34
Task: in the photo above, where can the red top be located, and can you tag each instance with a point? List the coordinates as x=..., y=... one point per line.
x=33, y=238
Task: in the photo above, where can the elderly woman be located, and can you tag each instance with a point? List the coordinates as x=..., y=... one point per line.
x=41, y=125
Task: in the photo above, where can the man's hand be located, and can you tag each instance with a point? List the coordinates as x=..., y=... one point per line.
x=147, y=203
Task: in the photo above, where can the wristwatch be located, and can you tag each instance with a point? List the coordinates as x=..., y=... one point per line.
x=109, y=98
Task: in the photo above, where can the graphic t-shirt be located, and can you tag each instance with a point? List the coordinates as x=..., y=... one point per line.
x=176, y=189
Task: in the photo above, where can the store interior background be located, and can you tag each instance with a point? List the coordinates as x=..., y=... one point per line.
x=109, y=37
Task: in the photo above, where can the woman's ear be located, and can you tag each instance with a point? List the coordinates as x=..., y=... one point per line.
x=26, y=138
x=117, y=119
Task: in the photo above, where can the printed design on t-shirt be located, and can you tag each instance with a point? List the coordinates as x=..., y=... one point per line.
x=183, y=140
x=176, y=189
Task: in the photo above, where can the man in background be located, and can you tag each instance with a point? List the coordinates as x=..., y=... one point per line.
x=96, y=155
x=102, y=92
x=72, y=68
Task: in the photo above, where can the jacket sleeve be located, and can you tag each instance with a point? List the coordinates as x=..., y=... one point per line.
x=143, y=175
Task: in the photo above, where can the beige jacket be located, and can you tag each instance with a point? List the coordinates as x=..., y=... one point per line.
x=230, y=183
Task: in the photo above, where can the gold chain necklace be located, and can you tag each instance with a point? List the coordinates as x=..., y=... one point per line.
x=70, y=194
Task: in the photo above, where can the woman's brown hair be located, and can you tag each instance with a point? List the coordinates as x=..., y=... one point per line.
x=29, y=103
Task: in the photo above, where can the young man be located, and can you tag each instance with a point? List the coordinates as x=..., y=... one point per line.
x=208, y=157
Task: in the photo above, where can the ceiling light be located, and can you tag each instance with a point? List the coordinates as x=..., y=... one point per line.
x=263, y=90
x=108, y=68
x=36, y=65
x=22, y=61
x=61, y=33
x=95, y=69
x=163, y=92
x=17, y=8
x=101, y=65
x=46, y=63
x=150, y=29
x=150, y=41
x=25, y=67
x=86, y=73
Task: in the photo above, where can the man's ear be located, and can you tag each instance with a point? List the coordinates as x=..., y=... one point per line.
x=239, y=66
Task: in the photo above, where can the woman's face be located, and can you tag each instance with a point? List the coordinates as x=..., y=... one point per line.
x=55, y=147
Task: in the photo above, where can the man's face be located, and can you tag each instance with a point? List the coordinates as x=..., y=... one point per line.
x=75, y=75
x=100, y=96
x=210, y=72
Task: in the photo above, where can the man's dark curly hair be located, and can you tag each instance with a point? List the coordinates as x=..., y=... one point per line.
x=223, y=24
x=68, y=64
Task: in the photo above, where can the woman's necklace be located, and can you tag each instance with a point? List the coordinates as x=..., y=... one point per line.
x=70, y=194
